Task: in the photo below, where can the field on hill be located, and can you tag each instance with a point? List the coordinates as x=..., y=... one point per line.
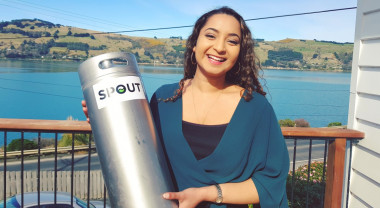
x=38, y=39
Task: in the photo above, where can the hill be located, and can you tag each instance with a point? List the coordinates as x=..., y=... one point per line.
x=38, y=39
x=305, y=54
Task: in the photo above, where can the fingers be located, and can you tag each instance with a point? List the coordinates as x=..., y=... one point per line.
x=186, y=199
x=171, y=195
x=85, y=110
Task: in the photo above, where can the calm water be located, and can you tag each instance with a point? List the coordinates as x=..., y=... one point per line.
x=51, y=90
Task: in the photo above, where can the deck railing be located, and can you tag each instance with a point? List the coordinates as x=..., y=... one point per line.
x=333, y=142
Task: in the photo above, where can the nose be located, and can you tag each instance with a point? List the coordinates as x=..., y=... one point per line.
x=219, y=46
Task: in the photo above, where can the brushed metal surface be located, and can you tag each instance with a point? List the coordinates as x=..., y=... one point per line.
x=130, y=153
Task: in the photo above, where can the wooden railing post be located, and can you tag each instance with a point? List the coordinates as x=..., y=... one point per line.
x=335, y=173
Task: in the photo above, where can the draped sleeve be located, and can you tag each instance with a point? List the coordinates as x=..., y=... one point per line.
x=270, y=178
x=156, y=118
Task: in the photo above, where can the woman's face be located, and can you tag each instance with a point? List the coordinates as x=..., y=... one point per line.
x=218, y=45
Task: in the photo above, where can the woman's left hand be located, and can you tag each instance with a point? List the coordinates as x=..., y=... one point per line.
x=188, y=198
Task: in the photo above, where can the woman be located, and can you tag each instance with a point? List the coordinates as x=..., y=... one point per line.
x=220, y=134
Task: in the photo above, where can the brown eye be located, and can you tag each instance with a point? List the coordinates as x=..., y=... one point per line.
x=233, y=42
x=210, y=36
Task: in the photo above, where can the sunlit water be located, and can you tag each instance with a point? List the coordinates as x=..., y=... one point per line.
x=51, y=90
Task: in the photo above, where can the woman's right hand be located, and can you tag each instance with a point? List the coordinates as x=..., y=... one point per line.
x=85, y=111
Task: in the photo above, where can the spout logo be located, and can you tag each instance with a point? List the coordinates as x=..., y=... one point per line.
x=120, y=89
x=114, y=90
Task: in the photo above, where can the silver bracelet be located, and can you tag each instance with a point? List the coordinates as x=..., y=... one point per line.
x=219, y=199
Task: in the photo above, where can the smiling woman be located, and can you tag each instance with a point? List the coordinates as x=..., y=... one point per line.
x=221, y=136
x=220, y=133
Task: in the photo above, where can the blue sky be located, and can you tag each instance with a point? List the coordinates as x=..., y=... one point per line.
x=121, y=15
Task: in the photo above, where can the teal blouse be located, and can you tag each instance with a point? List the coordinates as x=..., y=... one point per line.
x=252, y=146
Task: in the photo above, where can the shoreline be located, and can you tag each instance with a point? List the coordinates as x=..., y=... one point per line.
x=172, y=65
x=311, y=70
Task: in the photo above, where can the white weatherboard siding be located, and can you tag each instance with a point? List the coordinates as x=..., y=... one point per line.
x=364, y=111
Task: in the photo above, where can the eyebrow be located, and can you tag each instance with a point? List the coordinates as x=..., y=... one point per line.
x=229, y=34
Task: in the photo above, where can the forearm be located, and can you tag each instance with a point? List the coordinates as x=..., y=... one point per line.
x=234, y=193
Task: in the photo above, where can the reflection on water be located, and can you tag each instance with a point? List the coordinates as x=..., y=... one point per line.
x=51, y=90
x=160, y=69
x=20, y=66
x=309, y=76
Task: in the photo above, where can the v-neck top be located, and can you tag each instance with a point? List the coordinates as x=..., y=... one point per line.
x=252, y=146
x=202, y=139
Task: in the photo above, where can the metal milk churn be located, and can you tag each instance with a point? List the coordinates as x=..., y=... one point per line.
x=130, y=153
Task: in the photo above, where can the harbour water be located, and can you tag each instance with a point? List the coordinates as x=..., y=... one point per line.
x=51, y=90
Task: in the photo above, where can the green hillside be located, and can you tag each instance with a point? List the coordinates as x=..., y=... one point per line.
x=306, y=54
x=38, y=39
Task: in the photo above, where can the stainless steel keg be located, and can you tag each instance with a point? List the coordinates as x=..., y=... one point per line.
x=130, y=153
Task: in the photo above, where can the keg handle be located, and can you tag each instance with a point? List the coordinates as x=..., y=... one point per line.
x=113, y=62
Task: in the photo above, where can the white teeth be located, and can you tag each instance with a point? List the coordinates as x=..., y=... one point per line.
x=216, y=58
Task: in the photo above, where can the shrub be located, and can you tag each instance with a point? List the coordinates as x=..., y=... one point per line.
x=334, y=124
x=286, y=123
x=79, y=139
x=301, y=123
x=45, y=142
x=15, y=145
x=300, y=188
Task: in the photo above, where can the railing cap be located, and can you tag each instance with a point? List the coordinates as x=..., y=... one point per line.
x=321, y=132
x=83, y=126
x=44, y=125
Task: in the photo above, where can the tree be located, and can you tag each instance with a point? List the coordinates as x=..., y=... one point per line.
x=56, y=34
x=336, y=55
x=301, y=123
x=269, y=62
x=137, y=55
x=16, y=145
x=81, y=34
x=147, y=53
x=79, y=139
x=334, y=124
x=285, y=54
x=286, y=123
x=69, y=33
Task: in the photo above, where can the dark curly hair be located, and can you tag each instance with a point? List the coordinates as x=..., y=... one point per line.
x=245, y=72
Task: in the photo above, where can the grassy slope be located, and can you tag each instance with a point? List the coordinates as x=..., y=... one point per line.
x=100, y=39
x=119, y=42
x=308, y=48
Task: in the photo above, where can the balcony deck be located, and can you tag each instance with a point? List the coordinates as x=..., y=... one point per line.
x=335, y=142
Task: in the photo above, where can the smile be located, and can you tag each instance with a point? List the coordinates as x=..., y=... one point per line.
x=215, y=58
